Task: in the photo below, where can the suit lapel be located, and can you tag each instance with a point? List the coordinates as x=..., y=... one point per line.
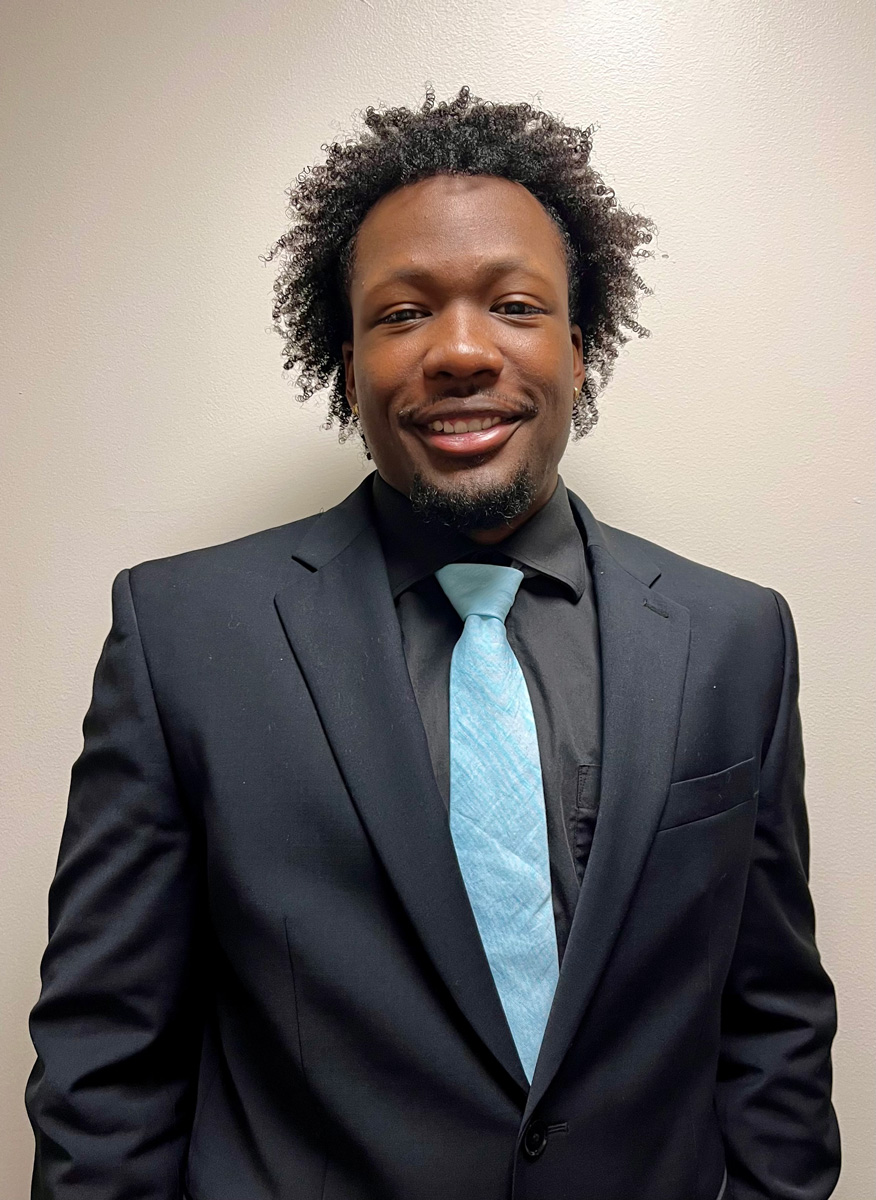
x=341, y=623
x=644, y=641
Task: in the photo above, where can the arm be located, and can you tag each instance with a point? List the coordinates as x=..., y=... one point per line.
x=116, y=1027
x=779, y=1014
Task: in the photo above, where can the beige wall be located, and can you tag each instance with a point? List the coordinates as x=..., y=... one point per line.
x=144, y=409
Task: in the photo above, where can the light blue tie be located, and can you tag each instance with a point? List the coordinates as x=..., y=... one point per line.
x=497, y=814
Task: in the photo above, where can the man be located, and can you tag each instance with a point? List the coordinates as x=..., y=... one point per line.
x=448, y=843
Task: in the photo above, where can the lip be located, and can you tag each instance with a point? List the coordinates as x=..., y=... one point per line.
x=477, y=442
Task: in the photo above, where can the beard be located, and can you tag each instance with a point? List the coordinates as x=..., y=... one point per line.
x=465, y=511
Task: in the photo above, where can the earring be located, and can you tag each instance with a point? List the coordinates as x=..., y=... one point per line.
x=575, y=394
x=354, y=408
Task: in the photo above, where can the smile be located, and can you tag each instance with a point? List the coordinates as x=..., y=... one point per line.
x=473, y=436
x=474, y=426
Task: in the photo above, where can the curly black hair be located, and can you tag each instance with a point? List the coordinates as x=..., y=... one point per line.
x=463, y=136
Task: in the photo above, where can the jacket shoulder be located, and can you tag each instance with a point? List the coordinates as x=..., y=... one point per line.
x=679, y=578
x=264, y=554
x=694, y=584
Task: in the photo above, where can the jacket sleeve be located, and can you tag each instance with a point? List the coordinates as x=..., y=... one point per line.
x=779, y=1013
x=117, y=1024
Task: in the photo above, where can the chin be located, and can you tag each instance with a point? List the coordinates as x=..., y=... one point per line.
x=466, y=502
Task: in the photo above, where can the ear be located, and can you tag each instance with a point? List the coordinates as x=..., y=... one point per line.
x=579, y=368
x=349, y=374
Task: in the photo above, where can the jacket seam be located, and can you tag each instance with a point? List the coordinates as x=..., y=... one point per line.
x=180, y=790
x=772, y=736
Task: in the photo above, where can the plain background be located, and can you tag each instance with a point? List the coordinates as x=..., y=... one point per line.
x=146, y=150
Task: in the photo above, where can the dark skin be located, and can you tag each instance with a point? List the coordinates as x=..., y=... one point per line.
x=459, y=299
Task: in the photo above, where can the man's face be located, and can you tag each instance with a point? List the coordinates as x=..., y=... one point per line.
x=459, y=298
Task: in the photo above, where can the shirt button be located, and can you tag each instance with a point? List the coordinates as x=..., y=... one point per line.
x=534, y=1139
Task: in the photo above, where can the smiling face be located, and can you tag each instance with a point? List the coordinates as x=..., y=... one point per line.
x=462, y=361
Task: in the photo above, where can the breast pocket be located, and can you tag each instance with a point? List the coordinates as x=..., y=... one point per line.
x=707, y=795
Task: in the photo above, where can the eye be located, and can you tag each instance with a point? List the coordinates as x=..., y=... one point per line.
x=401, y=316
x=521, y=307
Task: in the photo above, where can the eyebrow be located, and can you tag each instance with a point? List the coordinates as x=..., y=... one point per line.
x=487, y=272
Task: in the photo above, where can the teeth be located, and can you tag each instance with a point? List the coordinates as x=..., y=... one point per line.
x=474, y=426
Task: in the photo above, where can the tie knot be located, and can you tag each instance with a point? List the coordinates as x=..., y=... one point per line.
x=480, y=588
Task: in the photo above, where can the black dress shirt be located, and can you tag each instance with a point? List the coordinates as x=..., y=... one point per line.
x=552, y=629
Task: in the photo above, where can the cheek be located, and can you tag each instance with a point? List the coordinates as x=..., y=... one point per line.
x=381, y=369
x=547, y=357
x=555, y=397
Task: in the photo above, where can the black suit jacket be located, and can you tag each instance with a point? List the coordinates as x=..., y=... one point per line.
x=264, y=979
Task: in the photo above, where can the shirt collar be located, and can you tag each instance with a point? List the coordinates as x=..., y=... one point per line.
x=550, y=542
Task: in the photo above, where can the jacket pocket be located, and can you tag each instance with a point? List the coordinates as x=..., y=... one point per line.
x=707, y=795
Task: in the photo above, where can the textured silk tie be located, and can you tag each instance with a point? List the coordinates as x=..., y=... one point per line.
x=497, y=814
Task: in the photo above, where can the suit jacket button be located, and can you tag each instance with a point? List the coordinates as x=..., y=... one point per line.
x=534, y=1139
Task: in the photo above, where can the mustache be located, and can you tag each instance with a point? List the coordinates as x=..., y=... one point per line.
x=523, y=405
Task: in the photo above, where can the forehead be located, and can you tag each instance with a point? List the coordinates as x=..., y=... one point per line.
x=451, y=221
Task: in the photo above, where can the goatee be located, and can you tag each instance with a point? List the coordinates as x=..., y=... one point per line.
x=466, y=511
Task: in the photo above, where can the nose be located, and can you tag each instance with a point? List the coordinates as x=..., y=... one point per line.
x=463, y=345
